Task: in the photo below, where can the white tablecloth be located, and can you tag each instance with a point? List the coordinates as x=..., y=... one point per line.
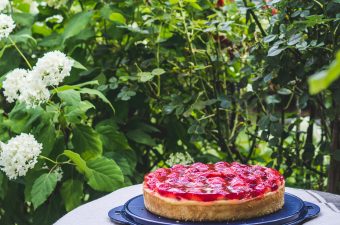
x=95, y=212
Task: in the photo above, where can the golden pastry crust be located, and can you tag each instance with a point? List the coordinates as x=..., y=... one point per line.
x=219, y=210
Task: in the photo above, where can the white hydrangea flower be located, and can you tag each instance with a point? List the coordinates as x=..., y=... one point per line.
x=34, y=92
x=19, y=155
x=56, y=3
x=3, y=4
x=179, y=158
x=15, y=80
x=53, y=67
x=7, y=25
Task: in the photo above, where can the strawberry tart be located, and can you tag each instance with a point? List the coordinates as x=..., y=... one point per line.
x=213, y=192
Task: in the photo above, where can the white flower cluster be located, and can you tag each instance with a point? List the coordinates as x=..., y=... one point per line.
x=19, y=155
x=53, y=68
x=179, y=158
x=31, y=87
x=3, y=4
x=7, y=25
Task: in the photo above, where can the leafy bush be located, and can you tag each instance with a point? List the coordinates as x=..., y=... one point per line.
x=219, y=80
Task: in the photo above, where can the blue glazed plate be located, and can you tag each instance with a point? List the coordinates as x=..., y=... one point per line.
x=295, y=211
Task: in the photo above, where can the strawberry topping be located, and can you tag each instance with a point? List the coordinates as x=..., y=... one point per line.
x=210, y=182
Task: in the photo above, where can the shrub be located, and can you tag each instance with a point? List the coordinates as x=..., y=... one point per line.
x=218, y=80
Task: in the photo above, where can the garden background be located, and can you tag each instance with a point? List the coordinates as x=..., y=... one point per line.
x=248, y=81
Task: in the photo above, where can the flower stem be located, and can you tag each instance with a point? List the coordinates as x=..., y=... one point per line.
x=48, y=159
x=20, y=52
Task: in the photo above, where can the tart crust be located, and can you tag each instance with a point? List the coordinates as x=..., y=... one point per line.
x=218, y=210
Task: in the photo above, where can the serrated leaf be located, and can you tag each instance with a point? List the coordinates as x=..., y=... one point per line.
x=42, y=188
x=87, y=141
x=76, y=159
x=105, y=175
x=102, y=174
x=72, y=193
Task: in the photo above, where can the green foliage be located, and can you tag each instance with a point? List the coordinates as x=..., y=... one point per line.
x=322, y=80
x=155, y=78
x=72, y=193
x=42, y=188
x=87, y=142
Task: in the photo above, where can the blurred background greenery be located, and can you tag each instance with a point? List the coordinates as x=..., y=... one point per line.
x=219, y=80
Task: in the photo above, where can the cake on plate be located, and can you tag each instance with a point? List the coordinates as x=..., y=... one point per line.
x=213, y=192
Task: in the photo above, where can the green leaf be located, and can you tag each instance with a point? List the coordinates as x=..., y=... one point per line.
x=45, y=134
x=322, y=80
x=102, y=174
x=105, y=175
x=24, y=19
x=76, y=159
x=78, y=23
x=112, y=138
x=74, y=87
x=158, y=71
x=29, y=179
x=77, y=113
x=269, y=38
x=284, y=91
x=145, y=76
x=276, y=129
x=264, y=122
x=78, y=65
x=196, y=6
x=272, y=99
x=70, y=97
x=294, y=39
x=42, y=188
x=275, y=50
x=98, y=94
x=173, y=2
x=141, y=137
x=72, y=193
x=117, y=17
x=86, y=141
x=126, y=93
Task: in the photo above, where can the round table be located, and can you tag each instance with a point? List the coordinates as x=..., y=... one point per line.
x=95, y=212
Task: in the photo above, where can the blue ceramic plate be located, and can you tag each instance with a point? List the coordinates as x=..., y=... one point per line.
x=295, y=211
